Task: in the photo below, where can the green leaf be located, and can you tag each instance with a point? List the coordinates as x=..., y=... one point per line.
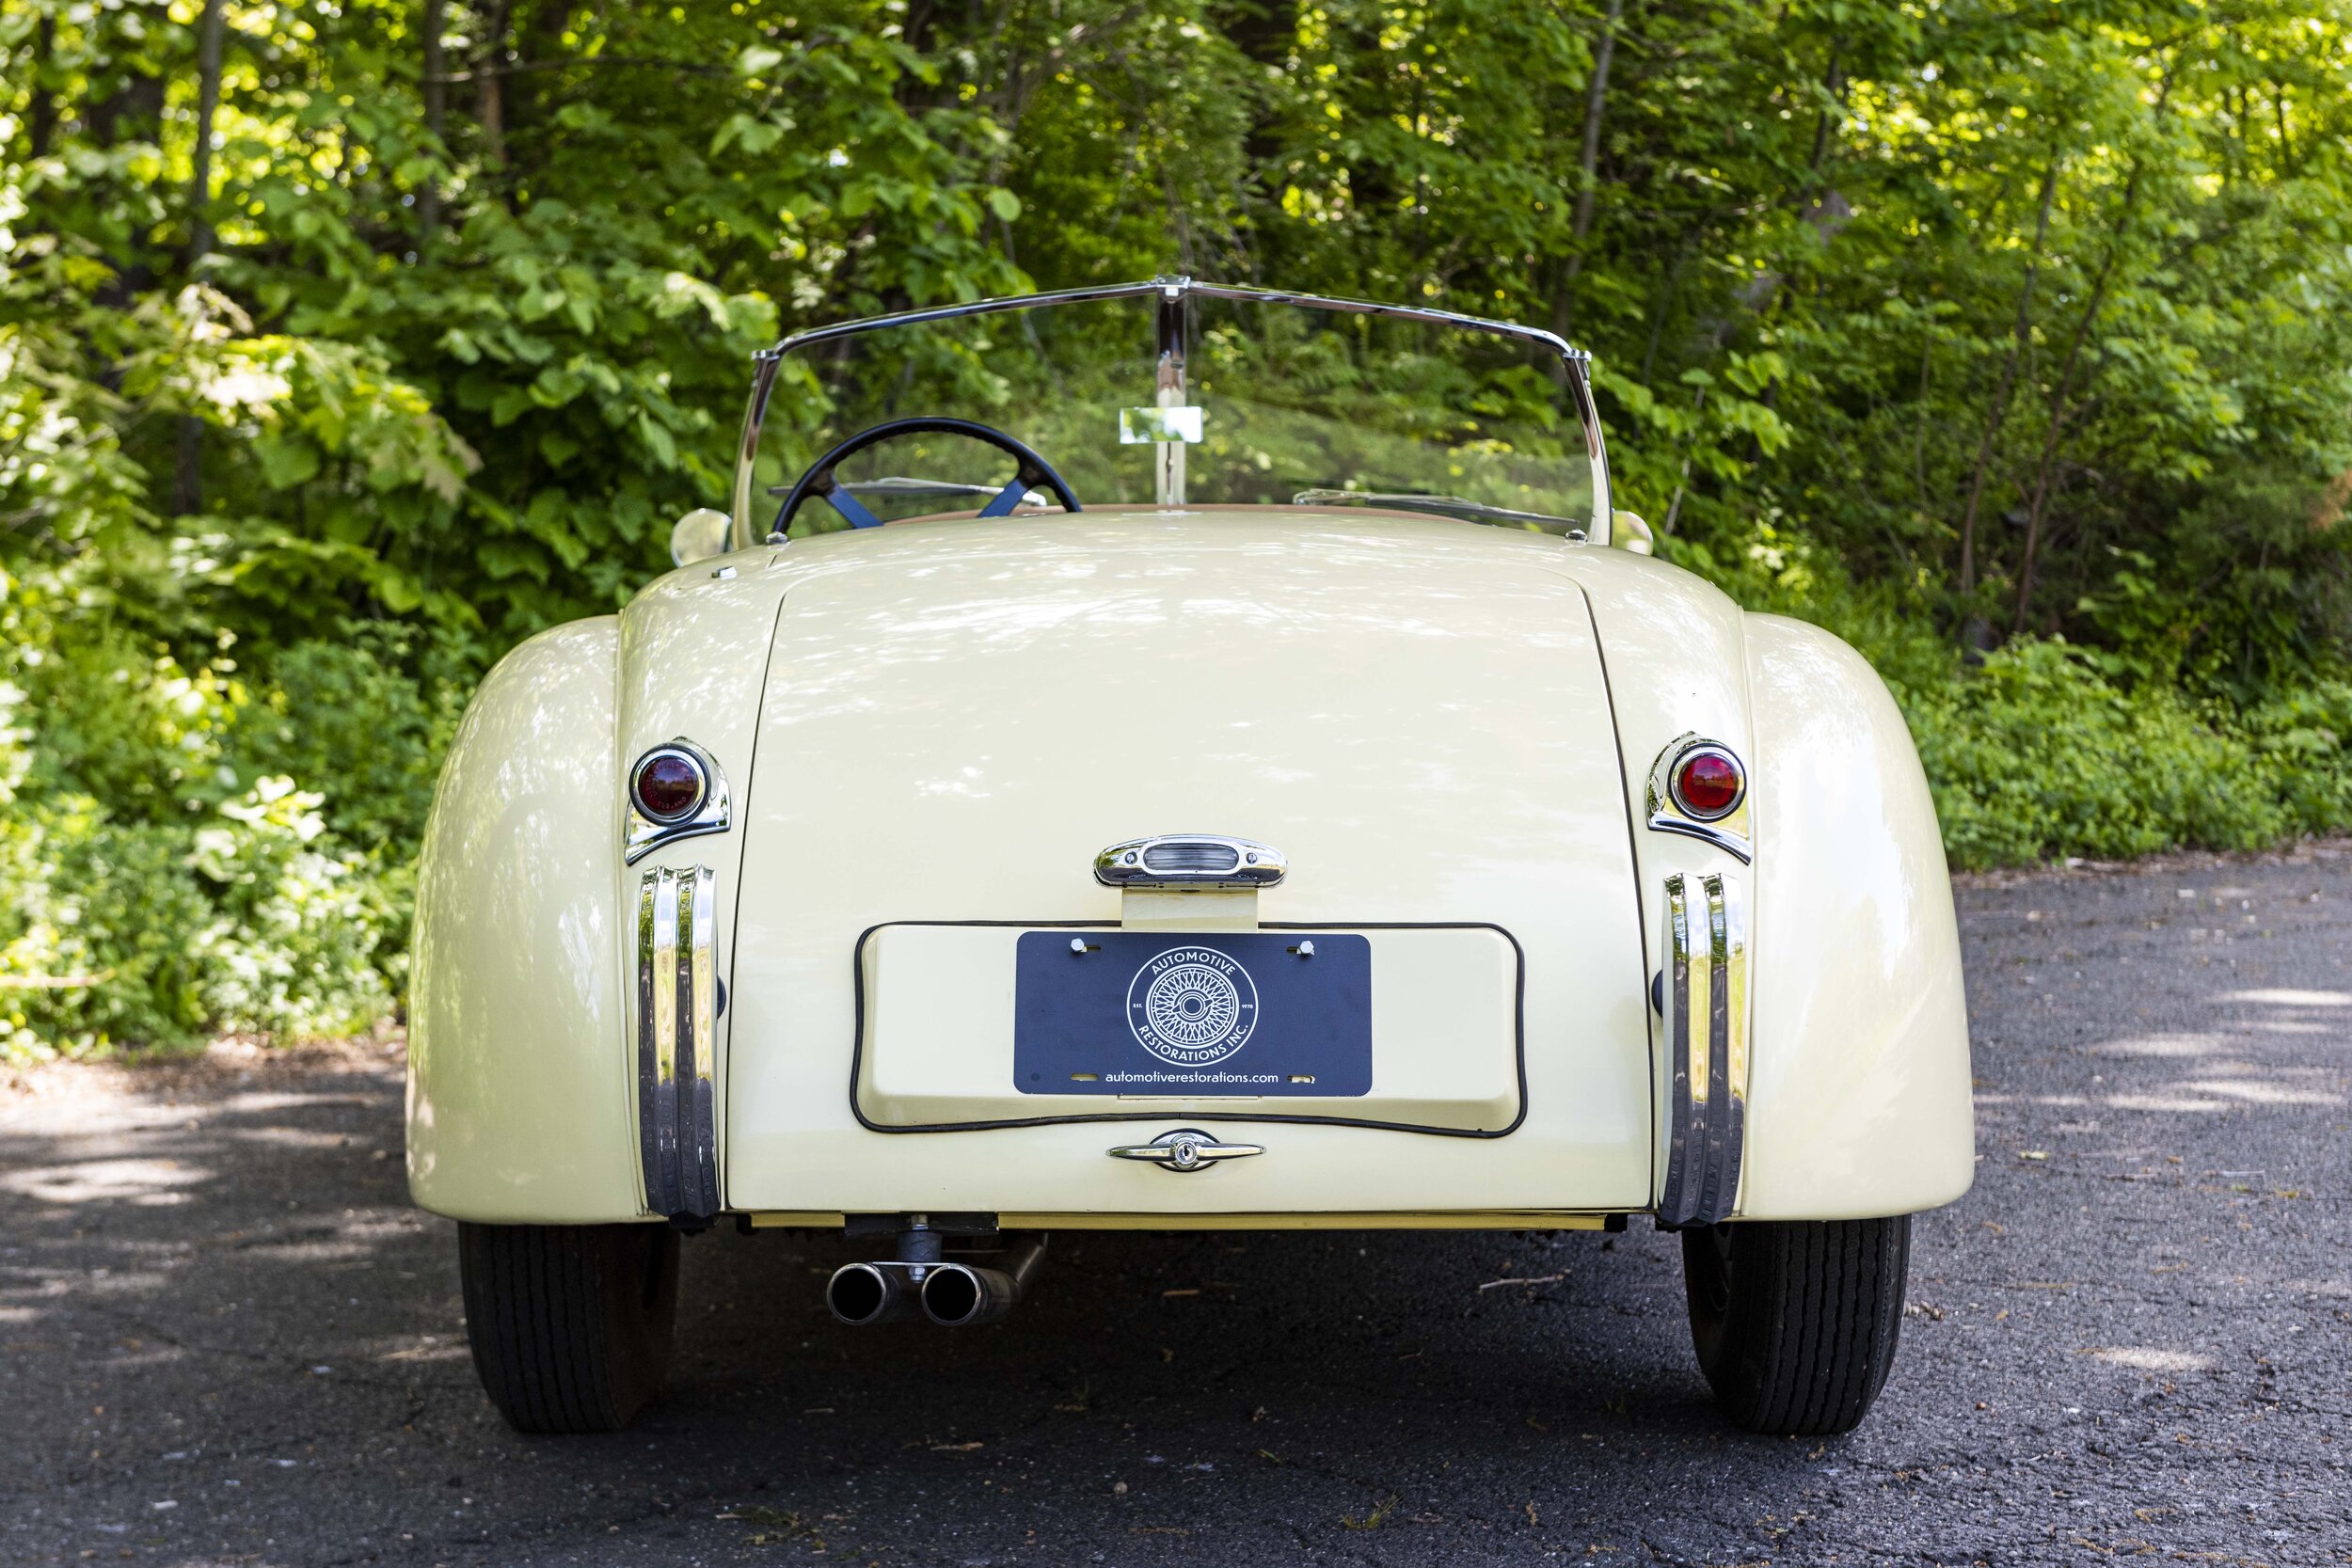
x=659, y=440
x=285, y=462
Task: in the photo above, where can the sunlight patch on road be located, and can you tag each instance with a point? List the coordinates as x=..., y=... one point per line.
x=150, y=1183
x=290, y=1137
x=2263, y=1093
x=428, y=1347
x=2146, y=1359
x=2290, y=998
x=2163, y=1102
x=2159, y=1045
x=260, y=1103
x=361, y=1234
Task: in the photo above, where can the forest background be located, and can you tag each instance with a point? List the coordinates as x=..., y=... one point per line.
x=344, y=343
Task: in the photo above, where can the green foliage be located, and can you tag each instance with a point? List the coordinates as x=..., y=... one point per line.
x=2023, y=326
x=158, y=878
x=2037, y=754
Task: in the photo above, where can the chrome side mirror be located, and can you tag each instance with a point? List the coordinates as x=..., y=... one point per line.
x=699, y=535
x=1628, y=533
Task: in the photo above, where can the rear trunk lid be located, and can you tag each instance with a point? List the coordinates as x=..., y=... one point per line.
x=958, y=715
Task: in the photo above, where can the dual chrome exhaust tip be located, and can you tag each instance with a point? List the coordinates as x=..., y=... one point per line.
x=951, y=1294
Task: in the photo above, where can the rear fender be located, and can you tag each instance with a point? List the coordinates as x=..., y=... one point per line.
x=524, y=1046
x=519, y=1088
x=1859, y=1098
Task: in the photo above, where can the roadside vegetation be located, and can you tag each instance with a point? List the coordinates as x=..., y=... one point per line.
x=344, y=345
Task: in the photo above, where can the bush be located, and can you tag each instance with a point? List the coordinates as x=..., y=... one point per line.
x=190, y=845
x=2045, y=750
x=165, y=874
x=2037, y=756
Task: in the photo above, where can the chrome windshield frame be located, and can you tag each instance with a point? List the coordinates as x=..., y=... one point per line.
x=1171, y=292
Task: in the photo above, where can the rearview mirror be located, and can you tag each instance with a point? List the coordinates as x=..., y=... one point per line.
x=699, y=535
x=1628, y=533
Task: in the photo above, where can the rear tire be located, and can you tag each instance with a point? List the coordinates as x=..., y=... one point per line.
x=570, y=1324
x=1795, y=1321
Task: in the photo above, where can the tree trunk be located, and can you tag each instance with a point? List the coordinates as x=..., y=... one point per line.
x=1833, y=78
x=436, y=112
x=2001, y=395
x=489, y=103
x=134, y=111
x=1587, y=167
x=1920, y=436
x=40, y=115
x=188, y=484
x=2065, y=391
x=207, y=112
x=539, y=40
x=2117, y=236
x=1265, y=33
x=1825, y=212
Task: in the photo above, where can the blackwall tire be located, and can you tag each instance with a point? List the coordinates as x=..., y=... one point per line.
x=1795, y=1321
x=570, y=1324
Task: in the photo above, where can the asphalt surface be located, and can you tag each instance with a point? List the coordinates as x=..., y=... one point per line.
x=224, y=1337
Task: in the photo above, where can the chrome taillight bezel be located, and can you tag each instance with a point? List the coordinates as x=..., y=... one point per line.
x=713, y=810
x=1681, y=764
x=1668, y=812
x=702, y=783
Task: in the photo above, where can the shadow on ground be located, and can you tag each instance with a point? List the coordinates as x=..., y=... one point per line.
x=224, y=1336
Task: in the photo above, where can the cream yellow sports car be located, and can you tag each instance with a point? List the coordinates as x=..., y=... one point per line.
x=1179, y=757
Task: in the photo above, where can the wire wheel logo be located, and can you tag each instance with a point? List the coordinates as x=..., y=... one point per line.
x=1191, y=1007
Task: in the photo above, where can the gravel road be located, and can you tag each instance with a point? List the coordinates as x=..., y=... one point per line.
x=224, y=1337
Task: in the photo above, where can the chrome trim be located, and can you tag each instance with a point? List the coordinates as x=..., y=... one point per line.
x=1706, y=1049
x=1668, y=815
x=677, y=1137
x=1681, y=764
x=1167, y=458
x=957, y=1293
x=1129, y=864
x=747, y=449
x=1185, y=1149
x=1171, y=292
x=714, y=813
x=702, y=783
x=1442, y=506
x=895, y=1287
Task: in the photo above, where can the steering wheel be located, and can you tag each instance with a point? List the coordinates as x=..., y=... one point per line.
x=818, y=480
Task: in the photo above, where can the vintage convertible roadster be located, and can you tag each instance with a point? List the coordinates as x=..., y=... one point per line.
x=1179, y=757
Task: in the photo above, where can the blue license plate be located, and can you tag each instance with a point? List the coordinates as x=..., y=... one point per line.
x=1273, y=1013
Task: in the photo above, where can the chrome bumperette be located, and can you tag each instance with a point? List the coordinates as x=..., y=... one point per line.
x=1666, y=814
x=677, y=1033
x=713, y=813
x=1706, y=1049
x=1191, y=860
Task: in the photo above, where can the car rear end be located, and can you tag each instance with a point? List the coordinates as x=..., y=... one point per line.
x=1437, y=1014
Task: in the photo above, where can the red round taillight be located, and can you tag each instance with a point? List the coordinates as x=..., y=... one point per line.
x=1708, y=783
x=667, y=785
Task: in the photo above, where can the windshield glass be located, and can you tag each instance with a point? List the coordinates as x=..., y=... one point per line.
x=1140, y=401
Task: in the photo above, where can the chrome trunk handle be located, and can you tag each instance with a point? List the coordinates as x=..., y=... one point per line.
x=1187, y=1149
